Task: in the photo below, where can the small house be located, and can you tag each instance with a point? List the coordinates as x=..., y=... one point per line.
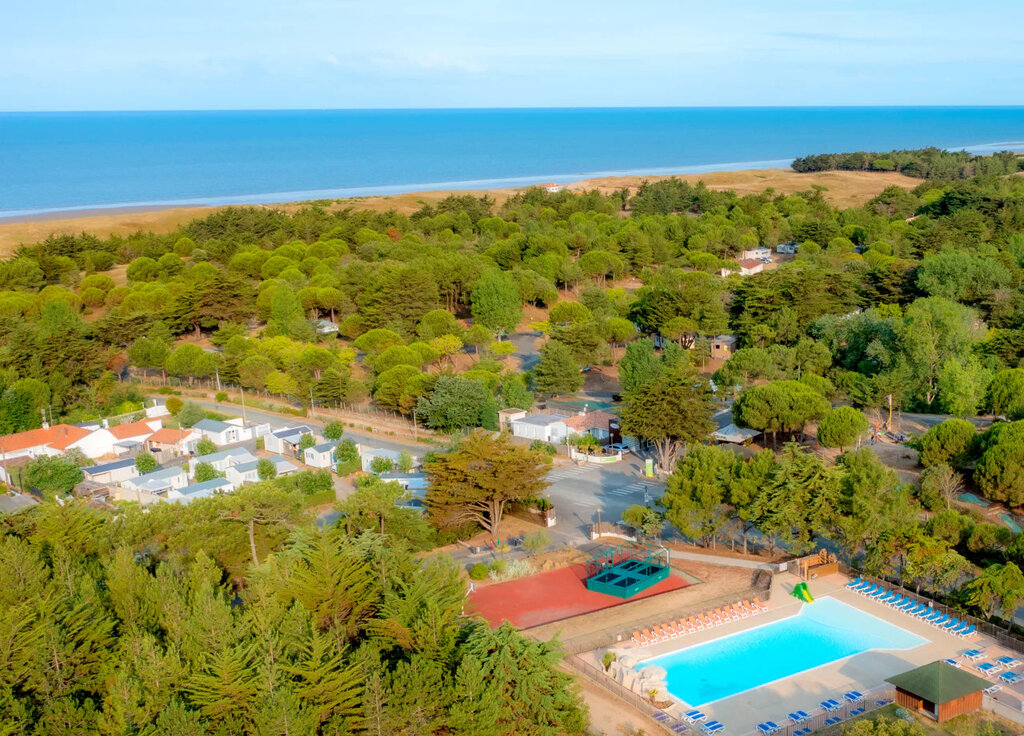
x=283, y=466
x=750, y=266
x=286, y=441
x=320, y=456
x=756, y=254
x=111, y=473
x=595, y=423
x=219, y=433
x=159, y=481
x=204, y=489
x=789, y=248
x=173, y=441
x=368, y=454
x=544, y=427
x=723, y=346
x=415, y=484
x=133, y=435
x=222, y=460
x=507, y=416
x=939, y=690
x=243, y=473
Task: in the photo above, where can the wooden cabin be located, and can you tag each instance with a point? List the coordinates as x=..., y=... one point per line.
x=939, y=690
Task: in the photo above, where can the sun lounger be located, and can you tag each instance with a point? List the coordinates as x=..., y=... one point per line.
x=854, y=696
x=987, y=668
x=661, y=717
x=760, y=605
x=650, y=637
x=638, y=639
x=801, y=732
x=888, y=597
x=855, y=583
x=897, y=601
x=687, y=625
x=969, y=631
x=829, y=705
x=671, y=629
x=940, y=620
x=1008, y=661
x=974, y=654
x=679, y=728
x=1010, y=678
x=952, y=663
x=766, y=729
x=798, y=716
x=742, y=610
x=926, y=613
x=857, y=711
x=881, y=593
x=832, y=721
x=694, y=716
x=712, y=727
x=907, y=605
x=951, y=624
x=915, y=609
x=992, y=689
x=868, y=590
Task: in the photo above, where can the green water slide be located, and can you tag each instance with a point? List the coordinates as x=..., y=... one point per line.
x=802, y=592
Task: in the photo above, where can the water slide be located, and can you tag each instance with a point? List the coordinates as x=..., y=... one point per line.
x=803, y=593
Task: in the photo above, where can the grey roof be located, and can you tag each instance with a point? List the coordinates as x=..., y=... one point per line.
x=726, y=338
x=732, y=433
x=289, y=431
x=213, y=425
x=324, y=446
x=278, y=461
x=207, y=485
x=107, y=467
x=246, y=467
x=223, y=455
x=541, y=420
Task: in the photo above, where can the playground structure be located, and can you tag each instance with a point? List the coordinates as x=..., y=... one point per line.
x=802, y=592
x=626, y=570
x=818, y=565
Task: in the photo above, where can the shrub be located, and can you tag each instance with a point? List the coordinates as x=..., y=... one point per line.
x=947, y=442
x=205, y=446
x=382, y=465
x=204, y=472
x=266, y=469
x=542, y=446
x=334, y=430
x=174, y=404
x=221, y=397
x=478, y=571
x=145, y=463
x=190, y=414
x=510, y=571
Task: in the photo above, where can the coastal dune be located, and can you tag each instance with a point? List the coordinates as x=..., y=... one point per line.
x=843, y=189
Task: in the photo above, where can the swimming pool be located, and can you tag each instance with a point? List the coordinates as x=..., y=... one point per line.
x=974, y=500
x=823, y=632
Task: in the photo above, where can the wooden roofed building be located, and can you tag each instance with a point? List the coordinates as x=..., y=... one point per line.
x=939, y=690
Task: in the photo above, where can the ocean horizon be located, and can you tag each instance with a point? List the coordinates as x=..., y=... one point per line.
x=73, y=161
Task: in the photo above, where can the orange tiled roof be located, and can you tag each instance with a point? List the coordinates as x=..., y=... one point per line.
x=168, y=436
x=590, y=420
x=134, y=429
x=750, y=263
x=58, y=437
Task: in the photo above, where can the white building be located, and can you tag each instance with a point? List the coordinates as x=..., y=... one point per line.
x=544, y=427
x=199, y=490
x=368, y=454
x=283, y=466
x=158, y=482
x=320, y=456
x=231, y=431
x=222, y=460
x=756, y=254
x=111, y=473
x=287, y=439
x=415, y=484
x=174, y=441
x=243, y=473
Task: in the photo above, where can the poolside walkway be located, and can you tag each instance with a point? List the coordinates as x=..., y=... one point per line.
x=741, y=713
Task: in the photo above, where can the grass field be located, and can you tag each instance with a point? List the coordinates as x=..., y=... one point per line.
x=844, y=188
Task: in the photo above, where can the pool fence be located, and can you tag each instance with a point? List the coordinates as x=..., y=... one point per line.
x=991, y=630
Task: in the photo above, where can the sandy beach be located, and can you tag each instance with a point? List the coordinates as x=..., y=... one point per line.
x=842, y=188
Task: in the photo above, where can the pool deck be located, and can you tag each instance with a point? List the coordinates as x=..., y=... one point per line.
x=742, y=712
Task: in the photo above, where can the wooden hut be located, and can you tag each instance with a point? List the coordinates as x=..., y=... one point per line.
x=939, y=690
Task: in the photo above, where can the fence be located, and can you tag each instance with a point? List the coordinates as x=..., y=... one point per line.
x=623, y=632
x=598, y=676
x=1003, y=710
x=1001, y=636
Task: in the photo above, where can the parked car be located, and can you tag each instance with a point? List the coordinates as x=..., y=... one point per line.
x=897, y=436
x=619, y=447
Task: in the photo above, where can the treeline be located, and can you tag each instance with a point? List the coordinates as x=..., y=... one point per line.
x=923, y=163
x=236, y=615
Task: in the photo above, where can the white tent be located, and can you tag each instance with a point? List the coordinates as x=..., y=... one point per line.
x=735, y=435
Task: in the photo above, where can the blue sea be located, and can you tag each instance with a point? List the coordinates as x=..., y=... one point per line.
x=53, y=162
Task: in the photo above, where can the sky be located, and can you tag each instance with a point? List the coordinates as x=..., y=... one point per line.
x=265, y=54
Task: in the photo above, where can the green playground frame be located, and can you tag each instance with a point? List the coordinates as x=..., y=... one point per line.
x=628, y=569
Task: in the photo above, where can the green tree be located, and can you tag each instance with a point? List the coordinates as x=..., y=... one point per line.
x=841, y=427
x=306, y=441
x=640, y=364
x=190, y=414
x=1006, y=393
x=783, y=406
x=496, y=302
x=477, y=480
x=265, y=469
x=946, y=442
x=940, y=482
x=52, y=474
x=644, y=519
x=672, y=411
x=697, y=489
x=205, y=446
x=557, y=371
x=374, y=506
x=999, y=471
x=334, y=430
x=145, y=463
x=205, y=472
x=537, y=542
x=998, y=587
x=454, y=405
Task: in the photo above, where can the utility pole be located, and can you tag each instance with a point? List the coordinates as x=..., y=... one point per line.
x=216, y=370
x=242, y=390
x=889, y=425
x=310, y=402
x=414, y=436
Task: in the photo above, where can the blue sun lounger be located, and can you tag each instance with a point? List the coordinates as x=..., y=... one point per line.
x=952, y=663
x=855, y=583
x=951, y=624
x=888, y=598
x=829, y=705
x=868, y=590
x=899, y=600
x=862, y=586
x=832, y=721
x=881, y=592
x=857, y=711
x=661, y=717
x=967, y=632
x=1010, y=678
x=766, y=728
x=940, y=620
x=916, y=609
x=798, y=716
x=908, y=605
x=974, y=654
x=801, y=732
x=987, y=668
x=694, y=715
x=712, y=727
x=854, y=696
x=1008, y=661
x=679, y=728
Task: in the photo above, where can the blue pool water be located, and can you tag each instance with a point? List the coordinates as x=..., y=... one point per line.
x=973, y=499
x=1011, y=523
x=823, y=632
